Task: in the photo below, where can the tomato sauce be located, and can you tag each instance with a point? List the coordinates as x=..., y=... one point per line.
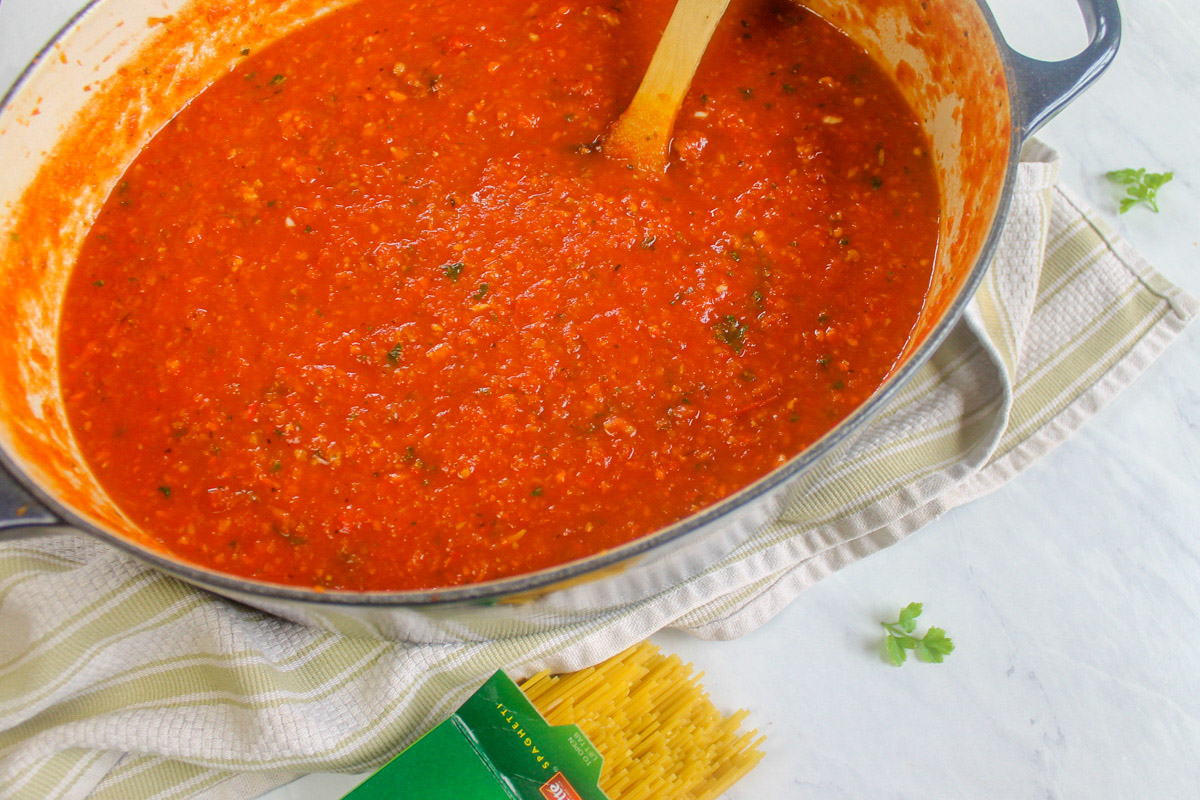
x=375, y=311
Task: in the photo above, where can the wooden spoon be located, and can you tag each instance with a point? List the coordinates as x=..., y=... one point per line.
x=642, y=133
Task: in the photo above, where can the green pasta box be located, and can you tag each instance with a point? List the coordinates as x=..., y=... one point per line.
x=495, y=747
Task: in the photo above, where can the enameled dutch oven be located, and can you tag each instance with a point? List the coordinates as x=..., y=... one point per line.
x=97, y=93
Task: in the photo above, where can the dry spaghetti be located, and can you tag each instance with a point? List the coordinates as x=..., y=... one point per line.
x=660, y=735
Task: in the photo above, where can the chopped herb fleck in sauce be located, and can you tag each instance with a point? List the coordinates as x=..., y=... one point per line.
x=731, y=331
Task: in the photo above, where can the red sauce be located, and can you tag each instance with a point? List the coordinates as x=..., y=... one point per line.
x=372, y=312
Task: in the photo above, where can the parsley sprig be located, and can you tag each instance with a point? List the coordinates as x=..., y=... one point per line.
x=1140, y=186
x=933, y=647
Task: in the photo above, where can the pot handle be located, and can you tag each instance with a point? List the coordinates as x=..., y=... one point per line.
x=1043, y=88
x=20, y=514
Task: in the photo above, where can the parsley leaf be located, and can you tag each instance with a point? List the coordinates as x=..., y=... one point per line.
x=908, y=617
x=453, y=269
x=934, y=646
x=895, y=652
x=1140, y=186
x=931, y=648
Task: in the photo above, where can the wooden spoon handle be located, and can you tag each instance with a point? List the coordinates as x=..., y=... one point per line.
x=643, y=132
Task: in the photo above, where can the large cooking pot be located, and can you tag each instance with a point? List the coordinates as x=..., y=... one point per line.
x=97, y=93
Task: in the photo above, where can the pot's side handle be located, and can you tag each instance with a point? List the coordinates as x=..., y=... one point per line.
x=1045, y=87
x=20, y=514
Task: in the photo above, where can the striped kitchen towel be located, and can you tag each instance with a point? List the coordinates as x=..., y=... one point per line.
x=120, y=682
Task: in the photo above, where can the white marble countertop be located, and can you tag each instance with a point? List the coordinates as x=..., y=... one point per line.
x=1072, y=593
